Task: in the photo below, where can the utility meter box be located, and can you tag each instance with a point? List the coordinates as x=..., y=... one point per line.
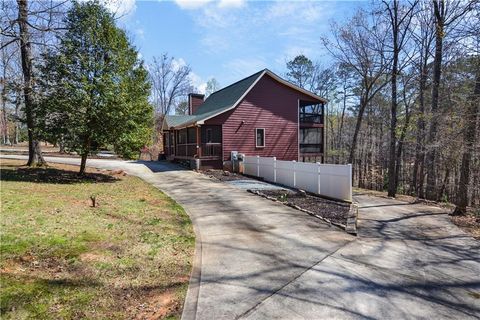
x=234, y=155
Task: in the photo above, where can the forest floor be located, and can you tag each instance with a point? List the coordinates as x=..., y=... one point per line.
x=470, y=223
x=129, y=257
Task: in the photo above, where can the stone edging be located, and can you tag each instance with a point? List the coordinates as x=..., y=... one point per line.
x=350, y=227
x=352, y=219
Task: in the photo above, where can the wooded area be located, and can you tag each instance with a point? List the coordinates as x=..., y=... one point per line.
x=404, y=98
x=403, y=91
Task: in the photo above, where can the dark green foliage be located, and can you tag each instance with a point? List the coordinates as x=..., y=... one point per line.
x=300, y=71
x=95, y=89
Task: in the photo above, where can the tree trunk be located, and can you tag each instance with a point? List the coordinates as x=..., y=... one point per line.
x=61, y=146
x=469, y=135
x=393, y=111
x=6, y=138
x=400, y=144
x=444, y=185
x=342, y=118
x=35, y=157
x=418, y=168
x=83, y=163
x=437, y=73
x=351, y=158
x=18, y=101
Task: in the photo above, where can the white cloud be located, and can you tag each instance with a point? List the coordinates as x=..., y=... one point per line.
x=197, y=4
x=198, y=83
x=140, y=33
x=191, y=4
x=231, y=3
x=120, y=8
x=177, y=63
x=299, y=11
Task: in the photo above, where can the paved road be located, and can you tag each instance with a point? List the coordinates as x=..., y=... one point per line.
x=257, y=259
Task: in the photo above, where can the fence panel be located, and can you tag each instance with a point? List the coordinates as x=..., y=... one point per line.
x=267, y=168
x=250, y=166
x=336, y=181
x=306, y=176
x=285, y=172
x=330, y=180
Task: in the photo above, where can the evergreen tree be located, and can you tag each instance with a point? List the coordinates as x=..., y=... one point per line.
x=95, y=88
x=301, y=71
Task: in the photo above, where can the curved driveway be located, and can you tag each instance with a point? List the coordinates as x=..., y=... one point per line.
x=257, y=259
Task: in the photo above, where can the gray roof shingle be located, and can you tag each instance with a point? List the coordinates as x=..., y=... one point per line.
x=223, y=100
x=217, y=102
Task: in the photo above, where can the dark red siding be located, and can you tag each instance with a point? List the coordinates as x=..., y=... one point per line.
x=269, y=105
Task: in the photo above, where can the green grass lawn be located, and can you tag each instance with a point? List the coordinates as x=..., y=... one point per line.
x=60, y=258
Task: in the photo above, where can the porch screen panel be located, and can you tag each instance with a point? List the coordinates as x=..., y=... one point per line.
x=192, y=135
x=182, y=136
x=311, y=140
x=215, y=134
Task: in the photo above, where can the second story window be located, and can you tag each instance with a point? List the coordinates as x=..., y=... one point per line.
x=311, y=113
x=259, y=137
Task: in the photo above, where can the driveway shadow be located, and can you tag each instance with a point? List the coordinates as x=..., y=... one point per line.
x=160, y=166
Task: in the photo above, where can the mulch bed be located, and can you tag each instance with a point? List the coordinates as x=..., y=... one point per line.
x=333, y=211
x=225, y=175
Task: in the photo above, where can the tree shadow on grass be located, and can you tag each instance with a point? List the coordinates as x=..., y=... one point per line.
x=51, y=175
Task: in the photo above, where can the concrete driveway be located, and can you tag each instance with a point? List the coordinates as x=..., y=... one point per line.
x=257, y=259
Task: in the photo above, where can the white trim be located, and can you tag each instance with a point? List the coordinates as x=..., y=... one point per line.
x=298, y=130
x=264, y=134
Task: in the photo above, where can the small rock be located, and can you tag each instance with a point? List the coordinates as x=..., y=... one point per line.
x=302, y=193
x=226, y=173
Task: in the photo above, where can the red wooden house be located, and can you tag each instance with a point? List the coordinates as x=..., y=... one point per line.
x=262, y=114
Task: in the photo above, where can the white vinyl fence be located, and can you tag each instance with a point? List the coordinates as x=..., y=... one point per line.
x=330, y=180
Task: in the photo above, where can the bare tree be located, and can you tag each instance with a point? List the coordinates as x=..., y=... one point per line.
x=34, y=152
x=399, y=18
x=29, y=25
x=212, y=86
x=170, y=82
x=446, y=14
x=423, y=37
x=360, y=45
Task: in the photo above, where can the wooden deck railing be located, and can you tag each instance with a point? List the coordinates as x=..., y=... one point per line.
x=208, y=150
x=186, y=150
x=211, y=149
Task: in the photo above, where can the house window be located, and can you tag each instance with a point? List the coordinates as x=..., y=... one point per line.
x=259, y=138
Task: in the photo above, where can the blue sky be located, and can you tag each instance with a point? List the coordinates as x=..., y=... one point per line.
x=231, y=39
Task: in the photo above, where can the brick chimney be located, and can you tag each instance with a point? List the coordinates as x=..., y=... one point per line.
x=194, y=101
